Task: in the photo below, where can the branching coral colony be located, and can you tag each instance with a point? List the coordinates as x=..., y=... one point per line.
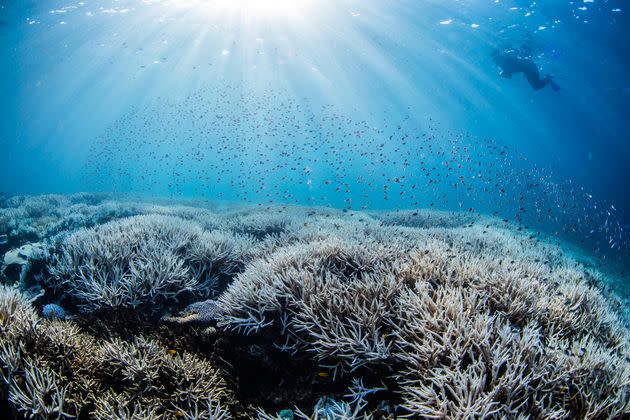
x=419, y=314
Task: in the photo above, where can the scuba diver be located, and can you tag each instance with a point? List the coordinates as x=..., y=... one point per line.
x=511, y=62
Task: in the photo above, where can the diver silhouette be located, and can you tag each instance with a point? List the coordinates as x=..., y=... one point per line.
x=510, y=62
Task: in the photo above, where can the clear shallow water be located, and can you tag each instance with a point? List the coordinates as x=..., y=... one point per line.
x=374, y=105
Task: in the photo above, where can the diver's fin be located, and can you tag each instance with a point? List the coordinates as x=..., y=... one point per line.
x=553, y=84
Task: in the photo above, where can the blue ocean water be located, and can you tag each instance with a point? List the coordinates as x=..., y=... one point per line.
x=352, y=104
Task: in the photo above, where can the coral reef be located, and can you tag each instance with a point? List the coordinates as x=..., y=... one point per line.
x=21, y=265
x=55, y=369
x=26, y=219
x=472, y=321
x=291, y=312
x=144, y=261
x=326, y=408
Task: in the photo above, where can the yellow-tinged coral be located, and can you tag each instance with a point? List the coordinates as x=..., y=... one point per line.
x=54, y=369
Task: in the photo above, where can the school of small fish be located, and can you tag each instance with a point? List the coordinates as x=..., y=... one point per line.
x=267, y=147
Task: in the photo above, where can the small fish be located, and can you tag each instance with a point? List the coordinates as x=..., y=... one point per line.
x=4, y=239
x=323, y=374
x=171, y=352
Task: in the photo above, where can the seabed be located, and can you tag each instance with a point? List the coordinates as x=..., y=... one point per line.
x=114, y=307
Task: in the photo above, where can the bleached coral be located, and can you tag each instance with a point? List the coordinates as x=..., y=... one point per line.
x=144, y=260
x=471, y=321
x=261, y=224
x=31, y=218
x=54, y=369
x=304, y=288
x=426, y=218
x=38, y=394
x=207, y=410
x=326, y=409
x=35, y=218
x=444, y=315
x=17, y=316
x=24, y=264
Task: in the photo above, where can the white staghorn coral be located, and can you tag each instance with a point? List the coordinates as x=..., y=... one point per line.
x=262, y=224
x=17, y=316
x=443, y=315
x=210, y=409
x=426, y=218
x=457, y=359
x=144, y=260
x=38, y=394
x=116, y=407
x=326, y=409
x=31, y=218
x=471, y=321
x=53, y=369
x=309, y=286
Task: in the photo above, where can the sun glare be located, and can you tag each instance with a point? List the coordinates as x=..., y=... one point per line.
x=254, y=8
